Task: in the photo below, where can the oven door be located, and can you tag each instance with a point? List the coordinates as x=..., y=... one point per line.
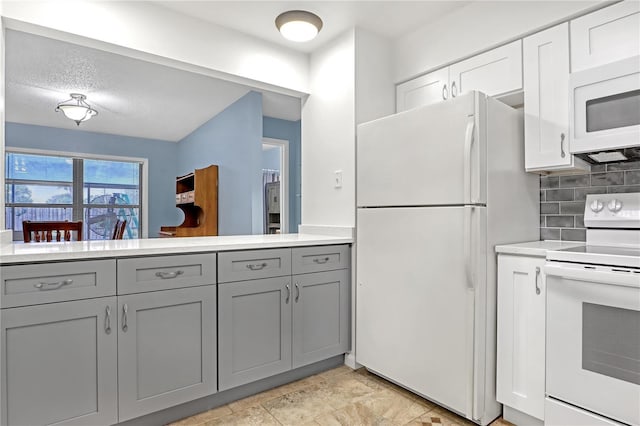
x=593, y=338
x=605, y=107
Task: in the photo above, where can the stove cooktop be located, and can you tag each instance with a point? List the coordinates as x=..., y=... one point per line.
x=628, y=257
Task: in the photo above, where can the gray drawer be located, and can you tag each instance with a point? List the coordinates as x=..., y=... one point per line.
x=24, y=285
x=253, y=264
x=138, y=275
x=320, y=258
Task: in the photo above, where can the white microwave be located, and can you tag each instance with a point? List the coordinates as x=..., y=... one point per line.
x=605, y=107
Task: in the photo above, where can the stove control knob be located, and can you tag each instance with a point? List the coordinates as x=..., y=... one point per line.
x=615, y=205
x=596, y=206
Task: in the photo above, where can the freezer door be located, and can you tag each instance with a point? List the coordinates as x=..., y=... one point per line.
x=426, y=156
x=416, y=284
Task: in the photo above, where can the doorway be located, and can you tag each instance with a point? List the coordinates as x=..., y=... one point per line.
x=275, y=185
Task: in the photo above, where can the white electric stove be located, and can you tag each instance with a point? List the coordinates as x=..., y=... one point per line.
x=593, y=319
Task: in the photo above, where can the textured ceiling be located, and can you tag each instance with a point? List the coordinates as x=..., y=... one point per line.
x=132, y=97
x=388, y=18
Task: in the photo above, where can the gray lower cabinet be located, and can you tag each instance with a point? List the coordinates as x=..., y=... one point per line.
x=254, y=330
x=58, y=363
x=166, y=349
x=320, y=316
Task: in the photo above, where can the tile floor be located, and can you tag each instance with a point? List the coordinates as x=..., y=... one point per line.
x=339, y=396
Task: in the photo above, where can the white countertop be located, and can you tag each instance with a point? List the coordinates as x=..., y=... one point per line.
x=537, y=248
x=45, y=252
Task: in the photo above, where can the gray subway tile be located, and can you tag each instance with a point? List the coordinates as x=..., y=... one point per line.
x=629, y=165
x=574, y=234
x=606, y=179
x=542, y=221
x=549, y=182
x=619, y=189
x=572, y=207
x=632, y=177
x=559, y=194
x=580, y=221
x=549, y=234
x=597, y=168
x=560, y=221
x=574, y=181
x=543, y=197
x=549, y=208
x=581, y=193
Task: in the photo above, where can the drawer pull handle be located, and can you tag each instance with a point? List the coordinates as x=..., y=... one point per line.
x=562, y=154
x=537, y=279
x=257, y=266
x=288, y=293
x=107, y=320
x=169, y=275
x=321, y=260
x=52, y=286
x=297, y=292
x=125, y=309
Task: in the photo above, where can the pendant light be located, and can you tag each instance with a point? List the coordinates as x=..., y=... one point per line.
x=298, y=25
x=76, y=108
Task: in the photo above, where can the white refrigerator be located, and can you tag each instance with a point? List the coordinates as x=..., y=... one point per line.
x=437, y=188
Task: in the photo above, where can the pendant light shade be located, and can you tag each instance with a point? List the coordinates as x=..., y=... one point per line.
x=76, y=108
x=298, y=25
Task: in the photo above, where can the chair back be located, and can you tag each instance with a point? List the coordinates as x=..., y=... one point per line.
x=118, y=229
x=50, y=231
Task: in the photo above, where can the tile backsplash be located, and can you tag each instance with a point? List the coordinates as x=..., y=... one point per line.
x=562, y=198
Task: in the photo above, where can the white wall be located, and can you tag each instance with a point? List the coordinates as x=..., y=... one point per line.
x=477, y=27
x=4, y=235
x=151, y=29
x=328, y=135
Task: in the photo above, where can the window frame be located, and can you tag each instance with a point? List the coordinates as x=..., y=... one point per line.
x=79, y=207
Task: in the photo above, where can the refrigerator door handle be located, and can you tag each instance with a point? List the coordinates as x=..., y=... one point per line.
x=468, y=241
x=468, y=144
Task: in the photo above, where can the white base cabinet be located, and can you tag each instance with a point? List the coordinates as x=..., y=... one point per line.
x=520, y=381
x=59, y=363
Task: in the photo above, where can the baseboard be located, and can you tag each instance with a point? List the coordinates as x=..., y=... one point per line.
x=519, y=418
x=333, y=231
x=350, y=361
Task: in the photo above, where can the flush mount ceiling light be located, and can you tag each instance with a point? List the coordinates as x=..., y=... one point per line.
x=298, y=25
x=76, y=108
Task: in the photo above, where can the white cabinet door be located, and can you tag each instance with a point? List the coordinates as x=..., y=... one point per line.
x=521, y=334
x=494, y=72
x=424, y=90
x=59, y=363
x=605, y=36
x=546, y=100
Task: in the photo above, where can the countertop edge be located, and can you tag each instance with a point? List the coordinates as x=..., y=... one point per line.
x=536, y=248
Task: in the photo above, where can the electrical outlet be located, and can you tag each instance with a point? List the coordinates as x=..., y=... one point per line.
x=337, y=178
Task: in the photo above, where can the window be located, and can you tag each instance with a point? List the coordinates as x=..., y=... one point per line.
x=57, y=187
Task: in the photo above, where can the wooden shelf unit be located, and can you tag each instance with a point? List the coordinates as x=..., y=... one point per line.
x=197, y=197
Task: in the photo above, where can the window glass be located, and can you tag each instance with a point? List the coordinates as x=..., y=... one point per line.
x=39, y=167
x=39, y=193
x=113, y=172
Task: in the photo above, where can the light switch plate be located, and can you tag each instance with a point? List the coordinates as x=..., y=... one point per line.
x=337, y=178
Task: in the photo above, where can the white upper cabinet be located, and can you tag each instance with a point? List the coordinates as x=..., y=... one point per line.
x=494, y=72
x=605, y=36
x=546, y=101
x=424, y=90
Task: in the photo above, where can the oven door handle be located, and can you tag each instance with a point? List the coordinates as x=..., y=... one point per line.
x=622, y=277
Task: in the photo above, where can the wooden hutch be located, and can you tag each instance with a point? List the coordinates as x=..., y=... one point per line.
x=197, y=197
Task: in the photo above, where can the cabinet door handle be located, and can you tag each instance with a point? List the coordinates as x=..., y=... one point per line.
x=169, y=275
x=537, y=280
x=107, y=320
x=52, y=286
x=297, y=292
x=454, y=92
x=288, y=293
x=445, y=94
x=257, y=266
x=125, y=309
x=562, y=153
x=321, y=260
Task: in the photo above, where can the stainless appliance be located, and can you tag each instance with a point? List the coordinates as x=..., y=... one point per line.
x=605, y=107
x=437, y=188
x=593, y=319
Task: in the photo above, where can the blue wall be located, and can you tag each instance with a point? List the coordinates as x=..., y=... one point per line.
x=271, y=158
x=233, y=141
x=289, y=130
x=161, y=155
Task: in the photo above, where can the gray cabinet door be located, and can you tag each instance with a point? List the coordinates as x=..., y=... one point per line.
x=59, y=363
x=320, y=316
x=166, y=349
x=255, y=330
